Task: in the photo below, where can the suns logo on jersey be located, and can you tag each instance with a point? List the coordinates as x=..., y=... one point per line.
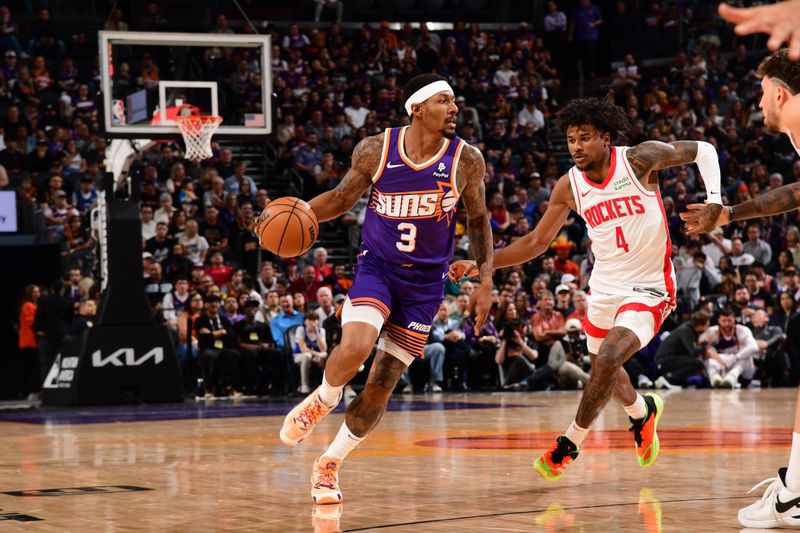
x=439, y=204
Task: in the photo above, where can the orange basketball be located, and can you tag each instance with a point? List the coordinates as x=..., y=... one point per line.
x=287, y=227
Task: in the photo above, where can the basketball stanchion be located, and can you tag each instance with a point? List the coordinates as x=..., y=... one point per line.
x=125, y=357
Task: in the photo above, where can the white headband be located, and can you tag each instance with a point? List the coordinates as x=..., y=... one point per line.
x=426, y=92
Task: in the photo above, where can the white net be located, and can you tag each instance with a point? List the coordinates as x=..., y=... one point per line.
x=197, y=132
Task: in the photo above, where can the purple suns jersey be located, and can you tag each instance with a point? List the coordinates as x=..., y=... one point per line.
x=410, y=218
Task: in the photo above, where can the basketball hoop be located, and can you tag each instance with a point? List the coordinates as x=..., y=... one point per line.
x=197, y=131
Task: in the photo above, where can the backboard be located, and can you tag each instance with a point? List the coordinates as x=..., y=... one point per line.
x=149, y=78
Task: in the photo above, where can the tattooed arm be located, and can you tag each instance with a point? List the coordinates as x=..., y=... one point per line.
x=364, y=163
x=649, y=157
x=471, y=172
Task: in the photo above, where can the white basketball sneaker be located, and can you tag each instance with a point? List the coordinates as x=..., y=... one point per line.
x=778, y=507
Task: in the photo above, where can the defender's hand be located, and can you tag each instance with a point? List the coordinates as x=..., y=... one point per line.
x=480, y=303
x=703, y=218
x=462, y=269
x=781, y=21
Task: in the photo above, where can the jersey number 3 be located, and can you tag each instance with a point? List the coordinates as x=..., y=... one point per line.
x=621, y=242
x=408, y=237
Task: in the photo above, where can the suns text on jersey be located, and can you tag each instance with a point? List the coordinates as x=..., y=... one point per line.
x=624, y=206
x=413, y=205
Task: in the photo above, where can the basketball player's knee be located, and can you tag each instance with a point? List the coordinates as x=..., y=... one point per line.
x=355, y=347
x=606, y=362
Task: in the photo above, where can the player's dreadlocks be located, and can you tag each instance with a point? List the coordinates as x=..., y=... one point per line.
x=602, y=113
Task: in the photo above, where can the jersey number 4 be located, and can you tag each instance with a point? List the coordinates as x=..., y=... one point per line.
x=408, y=237
x=621, y=242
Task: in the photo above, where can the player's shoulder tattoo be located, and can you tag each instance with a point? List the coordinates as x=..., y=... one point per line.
x=470, y=165
x=367, y=154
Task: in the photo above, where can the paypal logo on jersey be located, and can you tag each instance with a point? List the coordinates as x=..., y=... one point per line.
x=440, y=171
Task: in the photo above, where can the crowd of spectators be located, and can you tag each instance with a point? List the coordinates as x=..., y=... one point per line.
x=205, y=274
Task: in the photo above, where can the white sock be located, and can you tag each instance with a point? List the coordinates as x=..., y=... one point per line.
x=638, y=409
x=793, y=472
x=576, y=434
x=343, y=444
x=328, y=393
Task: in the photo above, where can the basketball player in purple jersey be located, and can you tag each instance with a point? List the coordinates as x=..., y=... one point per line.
x=417, y=174
x=780, y=104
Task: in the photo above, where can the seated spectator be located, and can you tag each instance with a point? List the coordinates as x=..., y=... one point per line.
x=216, y=346
x=233, y=184
x=548, y=324
x=215, y=232
x=563, y=301
x=195, y=245
x=281, y=323
x=267, y=280
x=681, y=355
x=786, y=308
x=272, y=305
x=731, y=351
x=516, y=354
x=161, y=244
x=756, y=246
x=450, y=334
x=759, y=298
x=741, y=305
x=175, y=302
x=262, y=364
x=772, y=361
x=311, y=348
x=569, y=355
x=187, y=334
x=326, y=308
x=218, y=270
x=156, y=287
x=322, y=268
x=307, y=285
x=581, y=305
x=230, y=309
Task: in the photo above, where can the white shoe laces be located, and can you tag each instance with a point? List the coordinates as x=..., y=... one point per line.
x=771, y=490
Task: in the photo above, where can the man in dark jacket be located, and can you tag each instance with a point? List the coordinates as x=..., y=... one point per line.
x=255, y=343
x=216, y=346
x=51, y=324
x=772, y=359
x=680, y=356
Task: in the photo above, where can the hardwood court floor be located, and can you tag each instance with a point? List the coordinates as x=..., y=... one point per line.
x=435, y=463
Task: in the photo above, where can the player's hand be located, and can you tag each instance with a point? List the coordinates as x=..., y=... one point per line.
x=781, y=21
x=462, y=269
x=480, y=303
x=703, y=218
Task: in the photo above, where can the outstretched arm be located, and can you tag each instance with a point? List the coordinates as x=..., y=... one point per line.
x=364, y=162
x=536, y=242
x=471, y=172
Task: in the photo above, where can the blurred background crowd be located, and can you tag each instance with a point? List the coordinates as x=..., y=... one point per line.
x=246, y=322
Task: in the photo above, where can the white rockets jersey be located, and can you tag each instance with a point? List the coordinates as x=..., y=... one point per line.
x=628, y=228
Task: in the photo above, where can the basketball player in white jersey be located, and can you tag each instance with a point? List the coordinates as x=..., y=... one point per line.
x=780, y=105
x=615, y=190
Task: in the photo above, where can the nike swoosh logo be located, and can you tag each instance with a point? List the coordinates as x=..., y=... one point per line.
x=712, y=192
x=782, y=507
x=583, y=194
x=390, y=165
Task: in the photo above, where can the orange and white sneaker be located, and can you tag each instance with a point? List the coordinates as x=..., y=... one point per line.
x=301, y=420
x=325, y=481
